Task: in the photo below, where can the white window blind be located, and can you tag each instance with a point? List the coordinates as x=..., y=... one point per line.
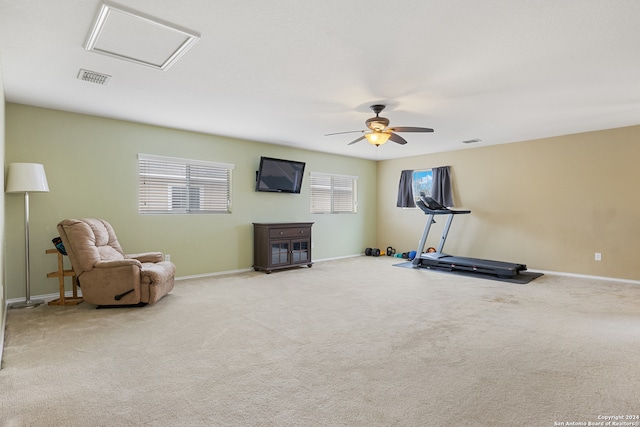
x=333, y=193
x=172, y=185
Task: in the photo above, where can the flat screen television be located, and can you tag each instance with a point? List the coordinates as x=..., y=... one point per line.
x=279, y=176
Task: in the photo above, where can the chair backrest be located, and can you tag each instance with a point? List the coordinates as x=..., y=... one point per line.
x=88, y=241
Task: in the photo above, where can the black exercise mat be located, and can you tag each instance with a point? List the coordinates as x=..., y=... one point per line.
x=521, y=278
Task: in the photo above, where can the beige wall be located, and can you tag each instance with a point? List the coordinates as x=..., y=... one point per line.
x=91, y=166
x=549, y=203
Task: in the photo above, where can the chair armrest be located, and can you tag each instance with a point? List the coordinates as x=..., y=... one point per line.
x=146, y=257
x=117, y=263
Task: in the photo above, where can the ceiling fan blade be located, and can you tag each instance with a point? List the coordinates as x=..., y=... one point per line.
x=340, y=133
x=397, y=138
x=356, y=140
x=410, y=129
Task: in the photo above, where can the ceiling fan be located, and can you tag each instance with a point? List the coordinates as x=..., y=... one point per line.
x=380, y=132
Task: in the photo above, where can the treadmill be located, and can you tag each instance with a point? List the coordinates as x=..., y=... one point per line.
x=441, y=261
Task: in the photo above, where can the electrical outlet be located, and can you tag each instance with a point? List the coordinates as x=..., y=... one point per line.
x=167, y=257
x=598, y=256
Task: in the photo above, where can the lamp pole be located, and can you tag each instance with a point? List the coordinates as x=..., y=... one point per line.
x=23, y=178
x=28, y=302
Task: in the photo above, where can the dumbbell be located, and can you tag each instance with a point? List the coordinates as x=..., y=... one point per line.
x=372, y=252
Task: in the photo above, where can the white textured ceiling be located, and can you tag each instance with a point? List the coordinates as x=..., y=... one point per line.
x=287, y=72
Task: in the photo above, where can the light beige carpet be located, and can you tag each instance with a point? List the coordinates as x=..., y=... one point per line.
x=353, y=342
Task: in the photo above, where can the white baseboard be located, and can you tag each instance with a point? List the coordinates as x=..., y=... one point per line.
x=586, y=276
x=246, y=270
x=338, y=257
x=45, y=297
x=2, y=328
x=219, y=273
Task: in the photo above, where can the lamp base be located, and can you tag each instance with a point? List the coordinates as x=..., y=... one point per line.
x=27, y=304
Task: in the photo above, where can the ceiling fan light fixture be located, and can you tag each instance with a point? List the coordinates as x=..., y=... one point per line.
x=380, y=130
x=377, y=138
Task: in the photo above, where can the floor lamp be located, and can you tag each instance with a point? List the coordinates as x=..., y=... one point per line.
x=26, y=178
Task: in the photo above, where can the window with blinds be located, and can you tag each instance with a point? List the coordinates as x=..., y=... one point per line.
x=333, y=193
x=170, y=185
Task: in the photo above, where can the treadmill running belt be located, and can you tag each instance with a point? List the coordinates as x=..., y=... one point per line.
x=452, y=263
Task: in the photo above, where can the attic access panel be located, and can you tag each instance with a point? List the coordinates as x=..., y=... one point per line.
x=139, y=38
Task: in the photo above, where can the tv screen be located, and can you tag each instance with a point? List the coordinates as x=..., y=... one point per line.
x=280, y=176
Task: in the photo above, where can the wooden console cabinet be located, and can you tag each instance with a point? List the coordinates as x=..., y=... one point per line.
x=281, y=245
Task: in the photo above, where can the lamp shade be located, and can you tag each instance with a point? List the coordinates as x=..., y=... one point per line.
x=28, y=177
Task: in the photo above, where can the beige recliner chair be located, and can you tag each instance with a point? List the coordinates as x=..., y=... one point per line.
x=107, y=276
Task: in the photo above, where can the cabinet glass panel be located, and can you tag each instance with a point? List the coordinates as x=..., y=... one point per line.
x=300, y=251
x=279, y=253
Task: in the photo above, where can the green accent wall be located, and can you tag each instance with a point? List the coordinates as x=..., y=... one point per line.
x=3, y=288
x=92, y=169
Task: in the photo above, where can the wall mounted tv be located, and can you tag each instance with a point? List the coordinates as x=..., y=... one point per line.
x=279, y=176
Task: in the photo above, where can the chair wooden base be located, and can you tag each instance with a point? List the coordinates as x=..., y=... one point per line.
x=66, y=301
x=61, y=273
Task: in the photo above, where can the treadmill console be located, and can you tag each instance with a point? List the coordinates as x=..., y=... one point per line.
x=432, y=203
x=430, y=206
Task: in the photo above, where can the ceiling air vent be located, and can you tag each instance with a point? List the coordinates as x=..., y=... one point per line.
x=471, y=141
x=93, y=77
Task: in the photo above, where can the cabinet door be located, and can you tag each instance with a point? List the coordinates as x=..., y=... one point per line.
x=279, y=252
x=300, y=251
